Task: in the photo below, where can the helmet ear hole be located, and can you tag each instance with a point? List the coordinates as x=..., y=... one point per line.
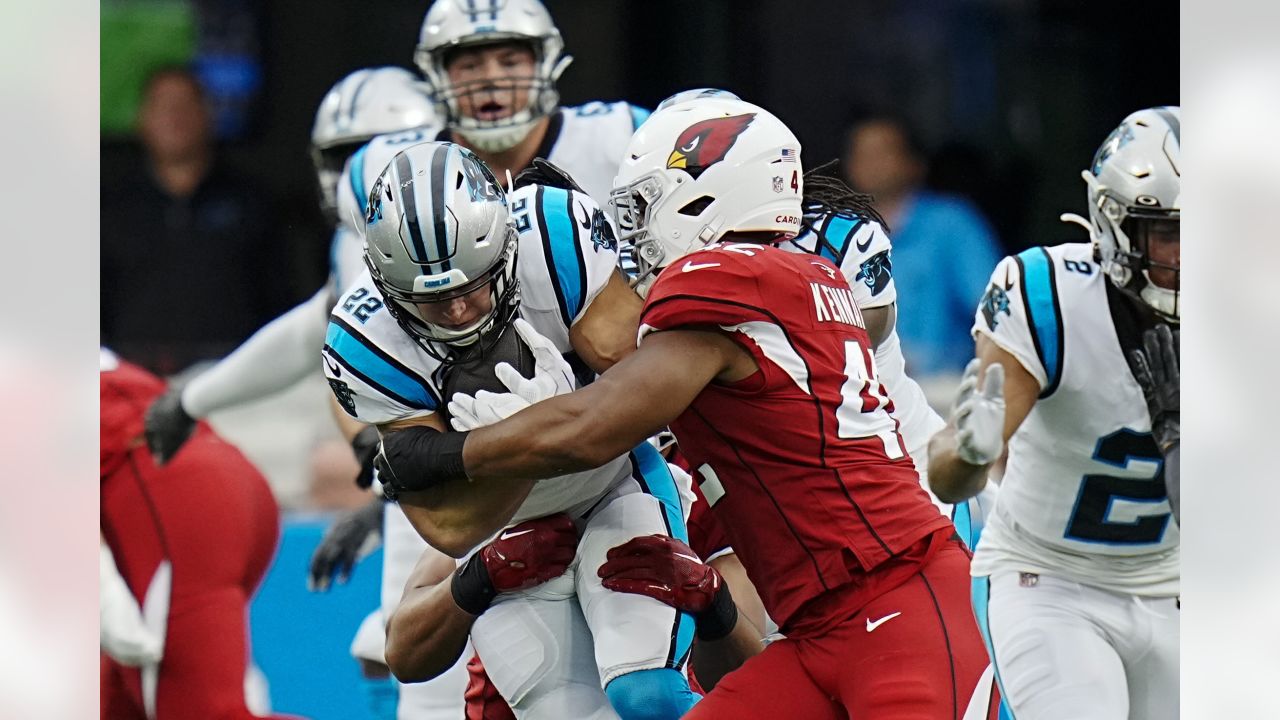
x=694, y=208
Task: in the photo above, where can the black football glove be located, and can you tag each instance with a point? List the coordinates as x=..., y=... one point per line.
x=1155, y=367
x=167, y=426
x=365, y=447
x=352, y=536
x=543, y=172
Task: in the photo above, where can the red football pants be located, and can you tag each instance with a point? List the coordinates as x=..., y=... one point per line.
x=212, y=515
x=913, y=653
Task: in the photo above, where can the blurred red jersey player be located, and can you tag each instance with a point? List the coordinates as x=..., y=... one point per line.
x=211, y=515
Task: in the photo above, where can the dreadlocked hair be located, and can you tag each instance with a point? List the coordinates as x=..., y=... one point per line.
x=826, y=194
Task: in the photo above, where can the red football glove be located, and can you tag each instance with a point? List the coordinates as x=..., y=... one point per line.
x=530, y=553
x=523, y=556
x=663, y=568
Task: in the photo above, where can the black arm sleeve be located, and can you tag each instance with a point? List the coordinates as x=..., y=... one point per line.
x=419, y=458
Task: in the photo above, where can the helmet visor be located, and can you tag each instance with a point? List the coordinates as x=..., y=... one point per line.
x=1156, y=236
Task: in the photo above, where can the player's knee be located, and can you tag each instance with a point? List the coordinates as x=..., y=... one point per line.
x=656, y=694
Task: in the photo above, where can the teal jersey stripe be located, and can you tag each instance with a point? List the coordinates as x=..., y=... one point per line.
x=565, y=252
x=838, y=234
x=980, y=593
x=656, y=476
x=362, y=360
x=1041, y=297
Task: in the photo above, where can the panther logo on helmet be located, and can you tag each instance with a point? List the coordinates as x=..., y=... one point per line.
x=706, y=143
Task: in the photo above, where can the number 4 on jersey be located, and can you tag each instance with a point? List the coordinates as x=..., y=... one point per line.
x=864, y=411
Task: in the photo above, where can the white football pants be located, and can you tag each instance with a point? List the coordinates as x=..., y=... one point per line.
x=1066, y=651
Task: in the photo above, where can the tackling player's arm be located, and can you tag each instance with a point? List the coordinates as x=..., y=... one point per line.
x=427, y=631
x=606, y=332
x=951, y=477
x=714, y=659
x=456, y=516
x=587, y=428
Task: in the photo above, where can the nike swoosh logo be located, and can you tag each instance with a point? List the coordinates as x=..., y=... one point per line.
x=690, y=558
x=862, y=247
x=873, y=625
x=333, y=366
x=508, y=535
x=690, y=266
x=585, y=222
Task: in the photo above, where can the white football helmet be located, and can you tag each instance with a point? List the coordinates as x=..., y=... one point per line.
x=1135, y=181
x=451, y=24
x=437, y=228
x=364, y=104
x=695, y=94
x=702, y=168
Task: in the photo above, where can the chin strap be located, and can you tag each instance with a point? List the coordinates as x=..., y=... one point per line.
x=1074, y=219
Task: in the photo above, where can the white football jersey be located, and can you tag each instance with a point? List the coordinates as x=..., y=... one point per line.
x=567, y=252
x=1083, y=493
x=586, y=141
x=861, y=249
x=346, y=258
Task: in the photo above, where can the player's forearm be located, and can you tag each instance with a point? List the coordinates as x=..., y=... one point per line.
x=426, y=634
x=953, y=480
x=459, y=515
x=565, y=434
x=274, y=358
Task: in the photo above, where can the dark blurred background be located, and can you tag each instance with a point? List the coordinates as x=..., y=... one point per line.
x=1007, y=98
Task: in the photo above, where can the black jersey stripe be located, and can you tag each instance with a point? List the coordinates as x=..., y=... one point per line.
x=373, y=348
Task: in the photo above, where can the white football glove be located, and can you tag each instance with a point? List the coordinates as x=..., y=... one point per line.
x=123, y=633
x=552, y=375
x=485, y=408
x=979, y=415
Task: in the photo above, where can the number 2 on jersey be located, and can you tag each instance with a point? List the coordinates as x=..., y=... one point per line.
x=1091, y=520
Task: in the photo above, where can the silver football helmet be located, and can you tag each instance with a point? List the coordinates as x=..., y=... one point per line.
x=364, y=104
x=1134, y=191
x=452, y=24
x=438, y=229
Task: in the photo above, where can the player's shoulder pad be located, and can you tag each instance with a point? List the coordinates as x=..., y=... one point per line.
x=598, y=110
x=1021, y=311
x=367, y=379
x=718, y=285
x=575, y=239
x=841, y=237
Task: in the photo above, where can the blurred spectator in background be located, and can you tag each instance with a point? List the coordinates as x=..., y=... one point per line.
x=186, y=242
x=943, y=249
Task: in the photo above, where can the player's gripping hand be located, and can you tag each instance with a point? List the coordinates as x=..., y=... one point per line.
x=485, y=408
x=1156, y=368
x=552, y=374
x=167, y=426
x=352, y=536
x=523, y=556
x=670, y=572
x=978, y=415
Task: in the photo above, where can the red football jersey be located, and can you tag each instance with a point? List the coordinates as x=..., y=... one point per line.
x=801, y=461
